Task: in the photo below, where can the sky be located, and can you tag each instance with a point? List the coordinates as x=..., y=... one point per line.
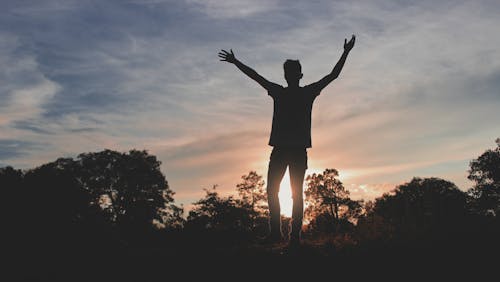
x=419, y=94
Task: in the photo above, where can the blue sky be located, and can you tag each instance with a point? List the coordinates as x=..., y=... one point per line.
x=419, y=95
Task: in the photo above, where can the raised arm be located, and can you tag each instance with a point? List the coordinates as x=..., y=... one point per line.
x=230, y=58
x=322, y=83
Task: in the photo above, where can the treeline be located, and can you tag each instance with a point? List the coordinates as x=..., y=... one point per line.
x=111, y=200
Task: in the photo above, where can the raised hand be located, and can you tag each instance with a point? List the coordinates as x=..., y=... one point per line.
x=348, y=45
x=225, y=56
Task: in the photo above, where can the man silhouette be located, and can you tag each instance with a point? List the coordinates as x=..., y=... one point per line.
x=290, y=135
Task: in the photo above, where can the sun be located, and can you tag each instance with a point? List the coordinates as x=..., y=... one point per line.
x=285, y=195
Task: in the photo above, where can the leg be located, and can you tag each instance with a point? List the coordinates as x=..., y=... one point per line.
x=276, y=170
x=297, y=171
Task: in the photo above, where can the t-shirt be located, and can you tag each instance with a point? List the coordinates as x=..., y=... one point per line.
x=292, y=115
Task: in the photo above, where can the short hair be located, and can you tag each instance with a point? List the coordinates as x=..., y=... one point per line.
x=292, y=65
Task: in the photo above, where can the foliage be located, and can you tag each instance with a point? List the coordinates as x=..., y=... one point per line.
x=485, y=172
x=129, y=187
x=329, y=207
x=111, y=195
x=252, y=193
x=99, y=199
x=421, y=207
x=222, y=217
x=253, y=198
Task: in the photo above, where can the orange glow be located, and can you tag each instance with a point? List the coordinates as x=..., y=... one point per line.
x=285, y=196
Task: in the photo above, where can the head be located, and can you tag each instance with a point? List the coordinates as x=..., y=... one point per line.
x=293, y=71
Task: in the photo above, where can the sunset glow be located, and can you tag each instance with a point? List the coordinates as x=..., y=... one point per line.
x=286, y=202
x=156, y=83
x=144, y=140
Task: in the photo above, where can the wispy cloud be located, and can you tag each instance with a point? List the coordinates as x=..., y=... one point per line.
x=233, y=9
x=419, y=93
x=25, y=89
x=17, y=149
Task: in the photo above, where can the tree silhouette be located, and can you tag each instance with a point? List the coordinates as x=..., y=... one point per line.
x=97, y=197
x=485, y=172
x=245, y=216
x=372, y=227
x=94, y=207
x=130, y=189
x=253, y=198
x=252, y=192
x=329, y=206
x=423, y=207
x=223, y=217
x=58, y=208
x=15, y=211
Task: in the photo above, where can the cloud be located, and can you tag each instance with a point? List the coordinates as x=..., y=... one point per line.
x=233, y=9
x=220, y=159
x=369, y=192
x=419, y=92
x=15, y=149
x=25, y=89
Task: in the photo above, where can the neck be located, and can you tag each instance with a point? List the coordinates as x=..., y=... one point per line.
x=293, y=84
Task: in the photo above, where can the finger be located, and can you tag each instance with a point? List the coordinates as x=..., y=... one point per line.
x=231, y=51
x=223, y=60
x=225, y=51
x=345, y=41
x=221, y=54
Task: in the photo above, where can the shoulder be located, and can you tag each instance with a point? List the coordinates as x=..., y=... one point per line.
x=312, y=89
x=275, y=89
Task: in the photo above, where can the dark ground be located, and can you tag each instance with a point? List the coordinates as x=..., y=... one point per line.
x=254, y=262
